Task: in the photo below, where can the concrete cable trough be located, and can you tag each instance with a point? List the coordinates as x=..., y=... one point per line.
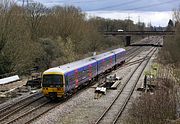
x=9, y=79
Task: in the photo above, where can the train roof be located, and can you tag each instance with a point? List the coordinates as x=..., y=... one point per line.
x=103, y=55
x=72, y=66
x=119, y=50
x=84, y=62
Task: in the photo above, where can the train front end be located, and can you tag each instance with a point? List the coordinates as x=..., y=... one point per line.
x=53, y=84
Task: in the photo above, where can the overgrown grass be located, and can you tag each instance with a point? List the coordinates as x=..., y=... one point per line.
x=159, y=107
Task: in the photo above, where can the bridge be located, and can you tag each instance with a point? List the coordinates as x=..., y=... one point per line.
x=142, y=33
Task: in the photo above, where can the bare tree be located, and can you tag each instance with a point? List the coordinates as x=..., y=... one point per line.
x=5, y=21
x=33, y=16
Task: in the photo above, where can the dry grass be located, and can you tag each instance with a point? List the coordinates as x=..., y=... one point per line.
x=159, y=107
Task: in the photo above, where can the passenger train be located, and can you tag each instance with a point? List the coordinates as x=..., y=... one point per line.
x=63, y=80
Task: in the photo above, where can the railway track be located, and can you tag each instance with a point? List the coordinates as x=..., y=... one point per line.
x=130, y=56
x=133, y=88
x=119, y=101
x=28, y=114
x=31, y=114
x=134, y=52
x=16, y=110
x=13, y=102
x=131, y=53
x=9, y=109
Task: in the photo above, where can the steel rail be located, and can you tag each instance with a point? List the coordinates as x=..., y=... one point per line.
x=132, y=90
x=17, y=109
x=37, y=116
x=124, y=85
x=5, y=107
x=28, y=112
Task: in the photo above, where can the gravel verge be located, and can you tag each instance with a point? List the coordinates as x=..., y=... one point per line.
x=83, y=108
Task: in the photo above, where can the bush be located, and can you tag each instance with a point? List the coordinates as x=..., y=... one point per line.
x=157, y=108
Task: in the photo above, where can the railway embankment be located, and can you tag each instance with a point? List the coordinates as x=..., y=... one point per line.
x=83, y=108
x=162, y=105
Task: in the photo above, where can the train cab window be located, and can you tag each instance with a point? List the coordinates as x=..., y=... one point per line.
x=52, y=80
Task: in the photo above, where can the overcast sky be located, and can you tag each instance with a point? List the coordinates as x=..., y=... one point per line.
x=158, y=12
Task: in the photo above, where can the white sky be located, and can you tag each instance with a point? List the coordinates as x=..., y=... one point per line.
x=158, y=12
x=156, y=18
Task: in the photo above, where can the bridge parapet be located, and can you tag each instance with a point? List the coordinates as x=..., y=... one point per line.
x=146, y=33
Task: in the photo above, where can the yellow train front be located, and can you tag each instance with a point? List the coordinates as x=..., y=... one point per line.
x=53, y=84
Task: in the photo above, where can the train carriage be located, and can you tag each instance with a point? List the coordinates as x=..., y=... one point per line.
x=119, y=55
x=80, y=75
x=59, y=81
x=105, y=61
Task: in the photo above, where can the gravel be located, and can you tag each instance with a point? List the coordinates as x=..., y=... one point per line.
x=83, y=108
x=136, y=94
